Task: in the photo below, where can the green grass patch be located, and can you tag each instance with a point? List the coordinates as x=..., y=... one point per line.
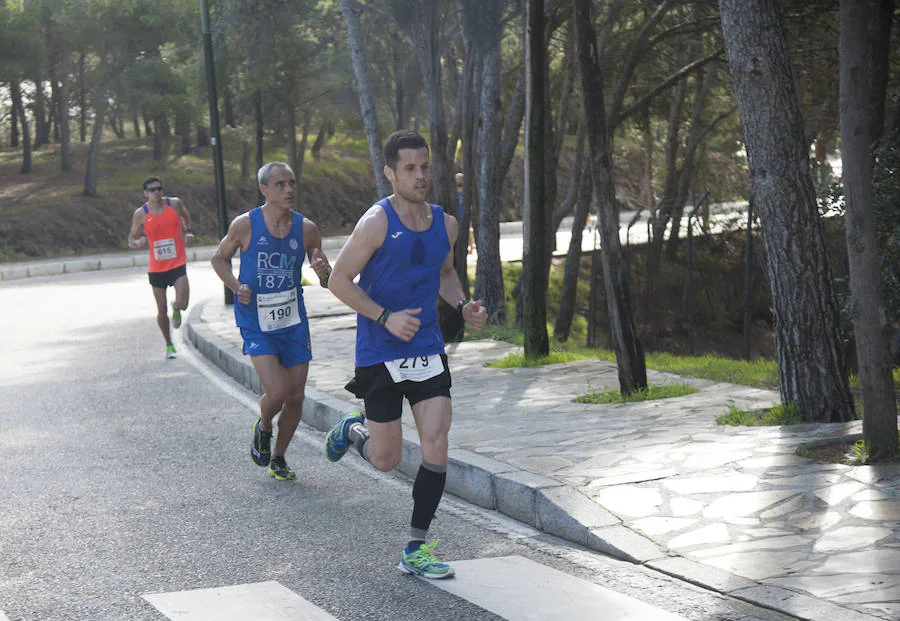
x=518, y=359
x=661, y=391
x=780, y=414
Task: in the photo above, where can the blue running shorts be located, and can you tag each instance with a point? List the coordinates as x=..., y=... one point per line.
x=292, y=347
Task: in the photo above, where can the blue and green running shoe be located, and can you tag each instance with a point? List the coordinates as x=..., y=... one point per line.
x=261, y=446
x=421, y=562
x=338, y=440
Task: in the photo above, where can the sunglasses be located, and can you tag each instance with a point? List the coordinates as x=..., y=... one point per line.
x=156, y=189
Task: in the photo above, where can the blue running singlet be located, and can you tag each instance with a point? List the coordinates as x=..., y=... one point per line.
x=271, y=267
x=404, y=273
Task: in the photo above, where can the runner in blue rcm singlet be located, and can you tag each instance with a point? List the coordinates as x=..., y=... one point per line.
x=401, y=249
x=274, y=240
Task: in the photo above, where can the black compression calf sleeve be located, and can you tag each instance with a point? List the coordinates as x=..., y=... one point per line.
x=427, y=491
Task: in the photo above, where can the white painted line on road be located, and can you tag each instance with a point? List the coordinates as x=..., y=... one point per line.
x=260, y=601
x=519, y=589
x=3, y=617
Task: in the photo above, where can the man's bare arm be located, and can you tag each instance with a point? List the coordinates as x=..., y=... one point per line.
x=237, y=237
x=135, y=239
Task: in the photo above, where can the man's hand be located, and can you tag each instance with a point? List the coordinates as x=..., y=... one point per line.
x=140, y=242
x=404, y=324
x=244, y=294
x=320, y=267
x=188, y=240
x=475, y=314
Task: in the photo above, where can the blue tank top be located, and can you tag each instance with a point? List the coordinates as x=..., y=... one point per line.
x=271, y=267
x=405, y=272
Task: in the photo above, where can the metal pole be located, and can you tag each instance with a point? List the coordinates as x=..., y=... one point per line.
x=748, y=276
x=218, y=166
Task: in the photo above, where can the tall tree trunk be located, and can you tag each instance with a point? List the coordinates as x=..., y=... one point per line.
x=159, y=138
x=686, y=171
x=82, y=97
x=468, y=107
x=319, y=142
x=629, y=351
x=16, y=94
x=572, y=193
x=183, y=129
x=535, y=265
x=879, y=63
x=229, y=106
x=41, y=133
x=811, y=369
x=245, y=160
x=62, y=115
x=870, y=326
x=366, y=91
x=290, y=134
x=399, y=65
x=260, y=128
x=14, y=119
x=90, y=173
x=304, y=141
x=483, y=28
x=568, y=296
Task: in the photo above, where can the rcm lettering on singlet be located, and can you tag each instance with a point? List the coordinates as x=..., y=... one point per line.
x=275, y=270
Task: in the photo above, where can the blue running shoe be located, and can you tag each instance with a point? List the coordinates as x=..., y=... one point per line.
x=338, y=440
x=421, y=562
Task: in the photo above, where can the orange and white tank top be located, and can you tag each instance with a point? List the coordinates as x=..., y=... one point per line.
x=164, y=238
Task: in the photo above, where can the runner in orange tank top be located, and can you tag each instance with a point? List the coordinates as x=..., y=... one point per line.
x=163, y=226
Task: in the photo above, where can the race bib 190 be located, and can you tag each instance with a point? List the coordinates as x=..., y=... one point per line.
x=416, y=369
x=277, y=310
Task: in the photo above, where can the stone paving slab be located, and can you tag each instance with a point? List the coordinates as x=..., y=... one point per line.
x=660, y=483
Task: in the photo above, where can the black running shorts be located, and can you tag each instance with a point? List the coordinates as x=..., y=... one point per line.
x=167, y=279
x=384, y=397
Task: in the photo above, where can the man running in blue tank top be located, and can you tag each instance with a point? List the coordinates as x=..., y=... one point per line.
x=401, y=249
x=270, y=313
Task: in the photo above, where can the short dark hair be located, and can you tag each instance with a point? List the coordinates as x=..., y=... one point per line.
x=401, y=139
x=150, y=180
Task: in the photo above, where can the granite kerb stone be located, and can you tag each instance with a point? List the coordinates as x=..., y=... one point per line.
x=798, y=604
x=567, y=513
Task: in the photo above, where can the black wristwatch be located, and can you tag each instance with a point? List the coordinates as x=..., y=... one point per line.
x=460, y=305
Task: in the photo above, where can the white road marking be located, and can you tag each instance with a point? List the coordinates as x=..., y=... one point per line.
x=519, y=589
x=260, y=601
x=3, y=617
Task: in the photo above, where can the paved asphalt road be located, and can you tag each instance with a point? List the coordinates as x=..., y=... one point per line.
x=123, y=474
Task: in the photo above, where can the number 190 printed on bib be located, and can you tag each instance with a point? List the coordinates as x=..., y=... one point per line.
x=277, y=310
x=416, y=369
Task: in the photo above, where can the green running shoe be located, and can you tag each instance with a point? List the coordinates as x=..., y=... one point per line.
x=279, y=469
x=170, y=351
x=261, y=446
x=176, y=316
x=338, y=440
x=421, y=562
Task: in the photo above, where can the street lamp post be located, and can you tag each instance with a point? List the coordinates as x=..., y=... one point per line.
x=218, y=166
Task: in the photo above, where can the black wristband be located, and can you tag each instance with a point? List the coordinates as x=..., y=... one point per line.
x=460, y=305
x=382, y=319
